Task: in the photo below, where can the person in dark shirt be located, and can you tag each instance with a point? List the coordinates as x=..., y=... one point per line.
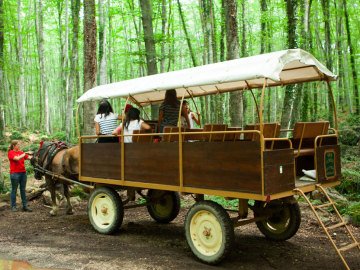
x=169, y=111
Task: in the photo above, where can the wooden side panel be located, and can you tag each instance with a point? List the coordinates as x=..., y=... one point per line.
x=102, y=160
x=279, y=172
x=152, y=162
x=233, y=166
x=321, y=160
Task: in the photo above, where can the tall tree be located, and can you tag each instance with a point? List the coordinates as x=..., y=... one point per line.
x=352, y=60
x=291, y=9
x=328, y=51
x=232, y=48
x=103, y=8
x=74, y=72
x=89, y=62
x=42, y=69
x=146, y=16
x=2, y=90
x=21, y=82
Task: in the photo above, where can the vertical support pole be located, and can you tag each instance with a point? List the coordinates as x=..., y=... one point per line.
x=256, y=104
x=181, y=146
x=262, y=142
x=123, y=144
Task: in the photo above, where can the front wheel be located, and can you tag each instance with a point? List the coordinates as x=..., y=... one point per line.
x=282, y=221
x=164, y=206
x=105, y=210
x=209, y=231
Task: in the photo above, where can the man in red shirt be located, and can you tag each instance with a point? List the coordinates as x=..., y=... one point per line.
x=18, y=174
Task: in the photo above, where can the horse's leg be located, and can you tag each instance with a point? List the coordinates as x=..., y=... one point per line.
x=52, y=188
x=69, y=209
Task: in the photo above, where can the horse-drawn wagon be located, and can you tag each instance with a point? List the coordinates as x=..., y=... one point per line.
x=254, y=164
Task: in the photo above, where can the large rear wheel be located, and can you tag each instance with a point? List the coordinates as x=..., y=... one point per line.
x=105, y=210
x=209, y=231
x=282, y=221
x=164, y=205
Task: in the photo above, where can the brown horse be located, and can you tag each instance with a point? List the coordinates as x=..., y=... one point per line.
x=60, y=160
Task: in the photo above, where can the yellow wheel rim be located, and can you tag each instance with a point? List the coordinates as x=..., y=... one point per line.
x=103, y=211
x=279, y=222
x=164, y=206
x=206, y=233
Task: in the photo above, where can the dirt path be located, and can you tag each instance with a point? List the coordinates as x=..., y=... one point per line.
x=69, y=242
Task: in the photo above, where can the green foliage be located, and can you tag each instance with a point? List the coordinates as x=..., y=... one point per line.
x=350, y=184
x=16, y=135
x=78, y=191
x=229, y=204
x=354, y=212
x=31, y=147
x=59, y=136
x=4, y=188
x=3, y=147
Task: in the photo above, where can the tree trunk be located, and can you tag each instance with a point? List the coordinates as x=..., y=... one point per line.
x=192, y=54
x=89, y=62
x=232, y=46
x=287, y=110
x=328, y=53
x=75, y=9
x=146, y=16
x=163, y=35
x=352, y=60
x=102, y=72
x=2, y=86
x=22, y=96
x=42, y=70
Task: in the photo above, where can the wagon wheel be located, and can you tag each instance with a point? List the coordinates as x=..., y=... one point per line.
x=209, y=231
x=164, y=205
x=105, y=210
x=283, y=222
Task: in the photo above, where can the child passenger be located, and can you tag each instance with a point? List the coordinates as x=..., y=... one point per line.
x=132, y=122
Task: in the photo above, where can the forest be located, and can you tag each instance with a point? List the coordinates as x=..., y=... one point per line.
x=52, y=51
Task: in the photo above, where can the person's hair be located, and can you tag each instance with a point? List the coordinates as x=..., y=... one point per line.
x=12, y=144
x=170, y=98
x=104, y=108
x=132, y=114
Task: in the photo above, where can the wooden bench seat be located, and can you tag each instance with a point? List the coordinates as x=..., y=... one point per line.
x=270, y=130
x=214, y=137
x=304, y=135
x=232, y=136
x=172, y=137
x=140, y=139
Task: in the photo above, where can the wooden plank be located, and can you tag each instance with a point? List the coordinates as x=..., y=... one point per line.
x=101, y=160
x=233, y=166
x=279, y=171
x=152, y=162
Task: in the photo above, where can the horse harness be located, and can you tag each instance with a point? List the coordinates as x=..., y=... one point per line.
x=45, y=155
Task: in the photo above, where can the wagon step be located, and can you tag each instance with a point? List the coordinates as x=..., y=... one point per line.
x=336, y=215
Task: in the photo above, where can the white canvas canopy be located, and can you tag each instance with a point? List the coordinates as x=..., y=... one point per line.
x=280, y=68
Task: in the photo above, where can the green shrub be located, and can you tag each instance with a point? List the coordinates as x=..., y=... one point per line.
x=4, y=147
x=78, y=191
x=349, y=137
x=3, y=186
x=59, y=136
x=353, y=211
x=16, y=135
x=229, y=204
x=350, y=182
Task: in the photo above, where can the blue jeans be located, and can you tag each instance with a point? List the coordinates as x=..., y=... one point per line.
x=16, y=180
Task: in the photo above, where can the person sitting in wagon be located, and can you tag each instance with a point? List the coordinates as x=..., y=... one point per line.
x=106, y=121
x=132, y=122
x=169, y=111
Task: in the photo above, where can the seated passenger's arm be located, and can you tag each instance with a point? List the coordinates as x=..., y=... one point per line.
x=97, y=128
x=117, y=130
x=145, y=126
x=196, y=119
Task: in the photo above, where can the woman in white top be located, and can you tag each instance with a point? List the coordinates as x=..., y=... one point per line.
x=106, y=122
x=192, y=116
x=132, y=122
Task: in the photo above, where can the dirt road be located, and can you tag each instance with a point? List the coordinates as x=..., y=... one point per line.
x=69, y=242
